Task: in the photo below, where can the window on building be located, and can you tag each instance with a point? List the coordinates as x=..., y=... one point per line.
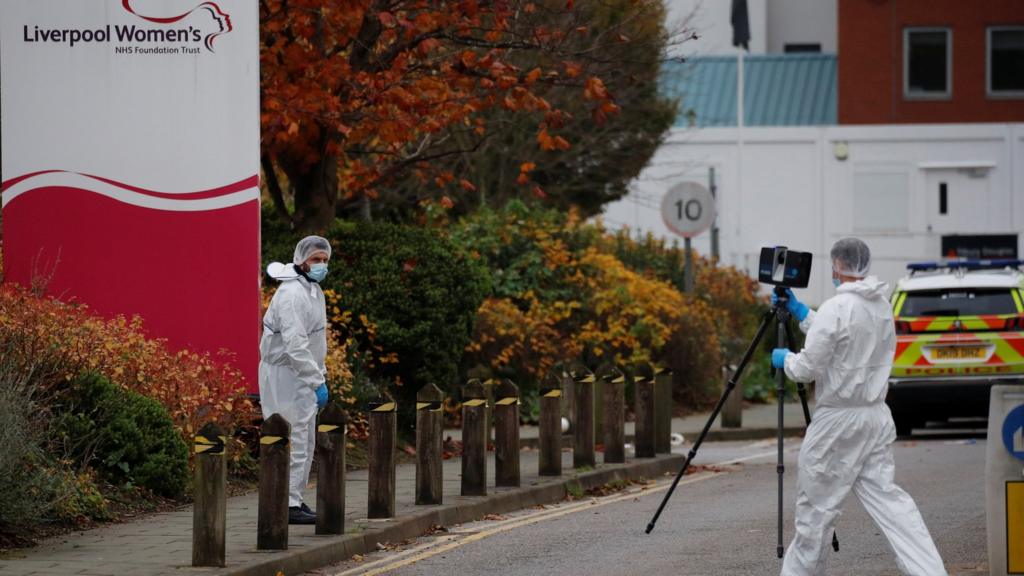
x=927, y=62
x=1006, y=61
x=790, y=48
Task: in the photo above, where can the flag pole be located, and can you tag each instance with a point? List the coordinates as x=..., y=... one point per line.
x=740, y=18
x=740, y=112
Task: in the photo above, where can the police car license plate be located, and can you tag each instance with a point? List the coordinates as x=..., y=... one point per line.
x=959, y=353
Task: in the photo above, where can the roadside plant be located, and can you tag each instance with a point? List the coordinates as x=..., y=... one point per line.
x=56, y=341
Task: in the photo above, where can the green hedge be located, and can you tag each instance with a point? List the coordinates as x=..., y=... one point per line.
x=419, y=290
x=127, y=437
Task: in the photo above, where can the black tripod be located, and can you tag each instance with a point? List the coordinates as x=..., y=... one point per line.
x=780, y=313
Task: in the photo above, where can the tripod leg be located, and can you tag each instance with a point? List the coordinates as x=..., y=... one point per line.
x=780, y=379
x=765, y=321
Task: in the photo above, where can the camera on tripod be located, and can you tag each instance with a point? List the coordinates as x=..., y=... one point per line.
x=781, y=266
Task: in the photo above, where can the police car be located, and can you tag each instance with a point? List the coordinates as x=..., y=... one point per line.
x=959, y=330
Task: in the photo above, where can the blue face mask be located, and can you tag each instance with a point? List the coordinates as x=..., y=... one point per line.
x=317, y=272
x=836, y=282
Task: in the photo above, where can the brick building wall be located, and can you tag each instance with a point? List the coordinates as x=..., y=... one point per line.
x=871, y=61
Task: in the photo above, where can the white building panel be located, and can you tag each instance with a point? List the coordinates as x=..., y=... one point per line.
x=807, y=187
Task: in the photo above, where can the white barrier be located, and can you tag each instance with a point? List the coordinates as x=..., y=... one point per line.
x=1004, y=480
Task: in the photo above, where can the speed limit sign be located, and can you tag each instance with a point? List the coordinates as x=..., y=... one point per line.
x=688, y=209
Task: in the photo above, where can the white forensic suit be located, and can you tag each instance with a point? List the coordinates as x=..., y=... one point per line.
x=849, y=352
x=292, y=353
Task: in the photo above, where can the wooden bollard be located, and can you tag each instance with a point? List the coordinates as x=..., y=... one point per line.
x=598, y=387
x=330, y=473
x=613, y=382
x=209, y=511
x=732, y=410
x=383, y=429
x=550, y=463
x=429, y=458
x=583, y=426
x=489, y=385
x=568, y=395
x=474, y=439
x=662, y=410
x=272, y=513
x=643, y=382
x=506, y=434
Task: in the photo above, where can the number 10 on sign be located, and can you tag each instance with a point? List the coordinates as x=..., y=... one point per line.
x=687, y=210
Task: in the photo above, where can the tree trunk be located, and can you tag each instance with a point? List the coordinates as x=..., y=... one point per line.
x=316, y=193
x=274, y=187
x=364, y=209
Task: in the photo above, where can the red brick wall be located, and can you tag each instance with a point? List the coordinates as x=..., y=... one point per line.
x=871, y=60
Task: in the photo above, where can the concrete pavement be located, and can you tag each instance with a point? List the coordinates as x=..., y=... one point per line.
x=759, y=421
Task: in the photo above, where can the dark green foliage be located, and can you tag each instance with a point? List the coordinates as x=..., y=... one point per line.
x=127, y=437
x=418, y=289
x=508, y=241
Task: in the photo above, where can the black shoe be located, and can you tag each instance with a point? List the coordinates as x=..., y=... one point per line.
x=307, y=509
x=297, y=516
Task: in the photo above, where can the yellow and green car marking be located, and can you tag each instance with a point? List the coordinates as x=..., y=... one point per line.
x=959, y=346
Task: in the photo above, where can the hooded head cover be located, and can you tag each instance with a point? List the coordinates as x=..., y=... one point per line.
x=851, y=257
x=307, y=246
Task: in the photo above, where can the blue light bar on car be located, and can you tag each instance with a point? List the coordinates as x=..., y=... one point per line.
x=965, y=264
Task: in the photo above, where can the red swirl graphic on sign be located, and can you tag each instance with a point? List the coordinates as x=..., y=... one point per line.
x=222, y=19
x=46, y=181
x=250, y=182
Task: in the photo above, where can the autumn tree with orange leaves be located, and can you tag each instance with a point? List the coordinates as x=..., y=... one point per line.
x=624, y=46
x=360, y=94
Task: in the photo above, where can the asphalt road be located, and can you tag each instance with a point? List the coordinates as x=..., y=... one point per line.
x=717, y=523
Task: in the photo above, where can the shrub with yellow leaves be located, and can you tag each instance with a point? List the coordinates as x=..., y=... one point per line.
x=730, y=295
x=525, y=342
x=628, y=317
x=562, y=293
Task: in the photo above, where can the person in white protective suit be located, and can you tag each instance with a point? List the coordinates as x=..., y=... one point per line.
x=292, y=373
x=848, y=351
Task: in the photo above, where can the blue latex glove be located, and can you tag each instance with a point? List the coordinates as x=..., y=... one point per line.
x=797, y=308
x=321, y=395
x=779, y=357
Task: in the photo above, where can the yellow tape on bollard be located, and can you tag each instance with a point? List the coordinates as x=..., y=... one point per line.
x=204, y=445
x=507, y=401
x=272, y=439
x=475, y=402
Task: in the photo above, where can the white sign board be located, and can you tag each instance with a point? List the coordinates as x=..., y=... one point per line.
x=688, y=209
x=131, y=162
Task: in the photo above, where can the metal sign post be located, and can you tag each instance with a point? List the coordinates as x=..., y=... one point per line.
x=714, y=225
